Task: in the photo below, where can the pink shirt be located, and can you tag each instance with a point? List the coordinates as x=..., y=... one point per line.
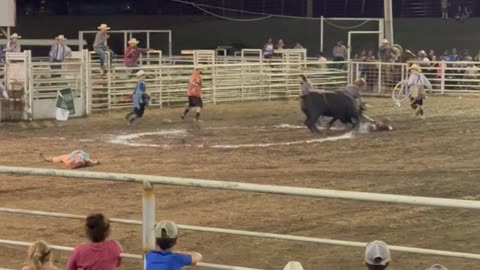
x=95, y=256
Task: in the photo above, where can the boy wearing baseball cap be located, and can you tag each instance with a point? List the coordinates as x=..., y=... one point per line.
x=377, y=256
x=166, y=234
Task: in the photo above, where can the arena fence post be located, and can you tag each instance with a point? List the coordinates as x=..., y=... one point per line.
x=380, y=66
x=148, y=220
x=442, y=82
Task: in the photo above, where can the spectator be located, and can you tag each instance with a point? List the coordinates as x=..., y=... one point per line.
x=39, y=257
x=453, y=56
x=431, y=55
x=445, y=56
x=445, y=5
x=437, y=267
x=385, y=52
x=13, y=45
x=166, y=234
x=422, y=57
x=477, y=57
x=322, y=60
x=339, y=52
x=100, y=45
x=280, y=44
x=3, y=91
x=377, y=255
x=132, y=53
x=268, y=49
x=59, y=51
x=459, y=13
x=99, y=253
x=370, y=56
x=298, y=46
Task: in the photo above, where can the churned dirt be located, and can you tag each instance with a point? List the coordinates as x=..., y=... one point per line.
x=436, y=157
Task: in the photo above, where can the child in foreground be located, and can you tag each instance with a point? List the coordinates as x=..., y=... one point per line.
x=164, y=258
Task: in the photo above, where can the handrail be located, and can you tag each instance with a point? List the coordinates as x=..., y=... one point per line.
x=256, y=234
x=246, y=187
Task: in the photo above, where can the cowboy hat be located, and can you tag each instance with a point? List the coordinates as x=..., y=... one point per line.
x=415, y=67
x=103, y=26
x=15, y=35
x=133, y=41
x=140, y=74
x=199, y=67
x=385, y=41
x=422, y=52
x=62, y=37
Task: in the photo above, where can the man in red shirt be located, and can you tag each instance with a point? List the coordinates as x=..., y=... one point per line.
x=132, y=53
x=194, y=92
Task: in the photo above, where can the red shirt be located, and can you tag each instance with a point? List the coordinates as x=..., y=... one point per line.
x=194, y=85
x=95, y=256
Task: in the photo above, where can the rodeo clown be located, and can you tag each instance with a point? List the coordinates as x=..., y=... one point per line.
x=140, y=99
x=416, y=84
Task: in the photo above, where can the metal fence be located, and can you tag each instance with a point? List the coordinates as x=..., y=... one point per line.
x=148, y=221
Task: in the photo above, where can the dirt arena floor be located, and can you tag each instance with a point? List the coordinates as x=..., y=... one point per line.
x=436, y=157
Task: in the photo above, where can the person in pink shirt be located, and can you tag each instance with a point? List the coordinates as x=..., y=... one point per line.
x=99, y=253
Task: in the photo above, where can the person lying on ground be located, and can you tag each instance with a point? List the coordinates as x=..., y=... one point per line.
x=74, y=160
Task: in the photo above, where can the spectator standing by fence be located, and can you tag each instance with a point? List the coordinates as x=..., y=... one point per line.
x=100, y=45
x=59, y=51
x=132, y=53
x=268, y=49
x=377, y=256
x=99, y=253
x=164, y=258
x=453, y=56
x=385, y=52
x=39, y=257
x=339, y=52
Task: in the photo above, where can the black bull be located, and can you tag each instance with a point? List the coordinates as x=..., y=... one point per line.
x=336, y=105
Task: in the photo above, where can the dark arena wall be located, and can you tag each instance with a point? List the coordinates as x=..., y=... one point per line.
x=205, y=32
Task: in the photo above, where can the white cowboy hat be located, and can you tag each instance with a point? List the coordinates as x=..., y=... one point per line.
x=104, y=26
x=133, y=41
x=422, y=52
x=385, y=41
x=199, y=67
x=140, y=74
x=62, y=37
x=15, y=35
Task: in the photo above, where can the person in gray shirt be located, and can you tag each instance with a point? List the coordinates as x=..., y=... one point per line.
x=100, y=44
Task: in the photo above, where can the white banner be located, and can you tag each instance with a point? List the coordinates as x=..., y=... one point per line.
x=8, y=13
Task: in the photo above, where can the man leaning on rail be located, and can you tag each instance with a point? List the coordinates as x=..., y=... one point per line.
x=59, y=51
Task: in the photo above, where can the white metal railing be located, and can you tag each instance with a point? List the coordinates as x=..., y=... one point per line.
x=148, y=222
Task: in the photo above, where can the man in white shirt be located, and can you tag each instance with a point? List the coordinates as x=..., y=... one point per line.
x=59, y=51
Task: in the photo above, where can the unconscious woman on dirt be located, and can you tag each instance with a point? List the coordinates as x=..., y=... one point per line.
x=39, y=257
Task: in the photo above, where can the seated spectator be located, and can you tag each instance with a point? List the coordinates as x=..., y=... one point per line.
x=99, y=253
x=437, y=267
x=39, y=257
x=166, y=234
x=377, y=256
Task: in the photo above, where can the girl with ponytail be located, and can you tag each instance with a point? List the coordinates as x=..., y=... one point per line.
x=39, y=257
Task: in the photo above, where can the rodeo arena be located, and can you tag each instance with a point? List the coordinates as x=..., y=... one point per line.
x=125, y=149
